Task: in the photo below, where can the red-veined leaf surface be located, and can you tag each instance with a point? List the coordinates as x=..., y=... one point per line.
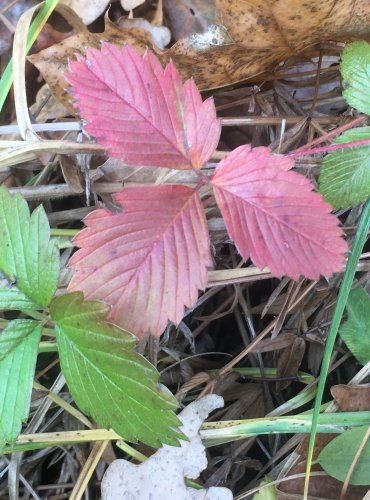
x=274, y=217
x=141, y=112
x=147, y=262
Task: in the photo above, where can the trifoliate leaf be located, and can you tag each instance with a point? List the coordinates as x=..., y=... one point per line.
x=18, y=353
x=27, y=256
x=355, y=69
x=356, y=330
x=345, y=175
x=107, y=378
x=337, y=456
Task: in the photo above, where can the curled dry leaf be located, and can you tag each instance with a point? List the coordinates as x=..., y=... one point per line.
x=243, y=39
x=53, y=61
x=131, y=4
x=274, y=217
x=148, y=268
x=161, y=477
x=146, y=115
x=161, y=34
x=88, y=10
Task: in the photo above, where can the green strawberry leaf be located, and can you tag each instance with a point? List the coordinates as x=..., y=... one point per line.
x=355, y=70
x=13, y=298
x=18, y=352
x=337, y=456
x=356, y=330
x=345, y=175
x=107, y=378
x=27, y=255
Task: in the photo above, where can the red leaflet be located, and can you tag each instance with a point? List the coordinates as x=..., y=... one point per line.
x=274, y=217
x=142, y=113
x=147, y=262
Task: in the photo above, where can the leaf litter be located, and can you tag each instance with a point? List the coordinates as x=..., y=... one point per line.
x=226, y=317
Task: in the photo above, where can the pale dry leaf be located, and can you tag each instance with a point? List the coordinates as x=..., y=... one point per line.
x=161, y=477
x=251, y=38
x=88, y=10
x=131, y=4
x=161, y=35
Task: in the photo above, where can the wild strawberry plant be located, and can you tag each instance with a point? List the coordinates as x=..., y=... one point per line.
x=149, y=261
x=141, y=267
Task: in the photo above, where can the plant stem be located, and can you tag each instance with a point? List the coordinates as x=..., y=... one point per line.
x=211, y=432
x=63, y=232
x=35, y=28
x=333, y=133
x=345, y=288
x=327, y=149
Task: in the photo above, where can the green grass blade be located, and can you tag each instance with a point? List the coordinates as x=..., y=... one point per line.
x=211, y=432
x=35, y=28
x=345, y=288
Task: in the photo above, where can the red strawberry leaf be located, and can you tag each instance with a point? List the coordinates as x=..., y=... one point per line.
x=142, y=113
x=147, y=262
x=274, y=217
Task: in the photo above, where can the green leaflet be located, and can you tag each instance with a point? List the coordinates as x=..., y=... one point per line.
x=345, y=175
x=107, y=378
x=27, y=256
x=337, y=457
x=356, y=330
x=266, y=493
x=18, y=353
x=355, y=70
x=13, y=298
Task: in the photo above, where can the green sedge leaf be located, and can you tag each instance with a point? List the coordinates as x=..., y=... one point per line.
x=18, y=352
x=355, y=70
x=345, y=175
x=27, y=256
x=356, y=330
x=107, y=378
x=337, y=456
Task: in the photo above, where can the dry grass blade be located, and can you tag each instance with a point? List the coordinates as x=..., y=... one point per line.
x=88, y=470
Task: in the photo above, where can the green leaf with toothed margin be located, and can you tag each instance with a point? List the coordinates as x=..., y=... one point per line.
x=107, y=378
x=355, y=70
x=345, y=174
x=27, y=255
x=356, y=330
x=18, y=352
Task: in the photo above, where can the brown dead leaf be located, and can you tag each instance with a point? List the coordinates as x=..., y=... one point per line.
x=52, y=62
x=349, y=398
x=10, y=12
x=88, y=10
x=321, y=487
x=244, y=39
x=289, y=361
x=352, y=398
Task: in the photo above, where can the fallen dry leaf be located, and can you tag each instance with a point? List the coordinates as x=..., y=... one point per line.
x=53, y=62
x=290, y=361
x=161, y=34
x=131, y=4
x=161, y=476
x=352, y=398
x=349, y=398
x=88, y=10
x=10, y=13
x=243, y=39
